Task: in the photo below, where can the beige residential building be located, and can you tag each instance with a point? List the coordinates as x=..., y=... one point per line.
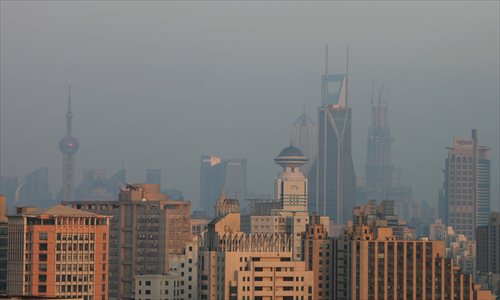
x=236, y=265
x=146, y=227
x=370, y=263
x=318, y=256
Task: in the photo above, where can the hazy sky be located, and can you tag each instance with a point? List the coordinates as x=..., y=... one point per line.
x=158, y=84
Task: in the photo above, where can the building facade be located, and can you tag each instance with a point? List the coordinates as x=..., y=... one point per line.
x=466, y=200
x=145, y=229
x=58, y=252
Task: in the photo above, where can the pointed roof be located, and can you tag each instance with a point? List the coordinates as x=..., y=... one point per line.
x=61, y=210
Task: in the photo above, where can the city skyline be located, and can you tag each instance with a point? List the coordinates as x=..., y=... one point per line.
x=100, y=106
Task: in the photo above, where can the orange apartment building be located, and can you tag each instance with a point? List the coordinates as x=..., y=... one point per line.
x=58, y=252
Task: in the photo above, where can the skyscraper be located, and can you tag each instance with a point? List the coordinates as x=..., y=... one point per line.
x=68, y=146
x=304, y=138
x=334, y=184
x=378, y=163
x=466, y=199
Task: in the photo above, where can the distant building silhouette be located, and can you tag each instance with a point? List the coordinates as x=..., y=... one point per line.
x=333, y=187
x=465, y=203
x=8, y=187
x=96, y=187
x=379, y=169
x=153, y=176
x=304, y=137
x=34, y=189
x=68, y=146
x=217, y=174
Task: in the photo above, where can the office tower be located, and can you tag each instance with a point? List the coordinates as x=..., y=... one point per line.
x=145, y=229
x=237, y=265
x=212, y=171
x=34, y=189
x=334, y=187
x=488, y=245
x=304, y=137
x=291, y=192
x=467, y=186
x=379, y=169
x=8, y=187
x=318, y=256
x=58, y=252
x=235, y=178
x=4, y=238
x=153, y=176
x=68, y=146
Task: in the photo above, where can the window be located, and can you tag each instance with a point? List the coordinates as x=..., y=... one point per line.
x=43, y=236
x=147, y=292
x=42, y=246
x=42, y=257
x=148, y=283
x=42, y=288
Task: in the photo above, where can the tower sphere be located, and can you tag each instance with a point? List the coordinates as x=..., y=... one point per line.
x=68, y=145
x=291, y=157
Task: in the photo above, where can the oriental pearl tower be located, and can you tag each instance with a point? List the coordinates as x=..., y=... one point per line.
x=68, y=146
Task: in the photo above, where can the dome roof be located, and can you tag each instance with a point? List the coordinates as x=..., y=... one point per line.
x=291, y=151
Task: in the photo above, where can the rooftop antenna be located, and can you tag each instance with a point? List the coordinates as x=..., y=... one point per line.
x=373, y=91
x=69, y=114
x=347, y=79
x=325, y=80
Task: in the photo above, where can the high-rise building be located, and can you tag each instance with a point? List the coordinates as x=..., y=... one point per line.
x=333, y=187
x=379, y=169
x=145, y=230
x=212, y=171
x=216, y=175
x=58, y=252
x=153, y=176
x=488, y=245
x=68, y=146
x=304, y=137
x=34, y=189
x=466, y=202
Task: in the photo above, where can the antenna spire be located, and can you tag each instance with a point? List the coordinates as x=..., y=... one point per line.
x=69, y=114
x=325, y=78
x=347, y=79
